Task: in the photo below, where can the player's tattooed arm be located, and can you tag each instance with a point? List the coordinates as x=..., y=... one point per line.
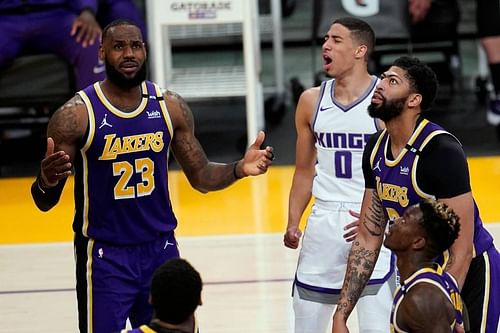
x=67, y=126
x=374, y=218
x=360, y=265
x=202, y=174
x=364, y=253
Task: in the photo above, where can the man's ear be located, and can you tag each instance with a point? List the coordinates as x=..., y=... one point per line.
x=102, y=56
x=419, y=243
x=414, y=100
x=361, y=51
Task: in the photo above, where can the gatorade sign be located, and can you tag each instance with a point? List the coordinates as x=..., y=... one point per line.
x=218, y=11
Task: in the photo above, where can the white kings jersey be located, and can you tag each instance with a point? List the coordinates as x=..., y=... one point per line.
x=341, y=132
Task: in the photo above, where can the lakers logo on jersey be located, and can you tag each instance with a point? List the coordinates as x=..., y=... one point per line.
x=129, y=144
x=391, y=192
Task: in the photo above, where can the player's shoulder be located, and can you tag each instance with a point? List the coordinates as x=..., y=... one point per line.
x=422, y=293
x=443, y=143
x=311, y=93
x=75, y=105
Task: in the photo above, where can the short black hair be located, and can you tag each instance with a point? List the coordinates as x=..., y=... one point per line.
x=175, y=291
x=116, y=23
x=422, y=79
x=361, y=32
x=441, y=224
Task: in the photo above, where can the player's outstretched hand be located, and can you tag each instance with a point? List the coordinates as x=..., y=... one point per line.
x=257, y=160
x=351, y=229
x=55, y=166
x=292, y=237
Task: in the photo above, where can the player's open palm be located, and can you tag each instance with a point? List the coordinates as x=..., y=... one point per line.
x=55, y=166
x=257, y=160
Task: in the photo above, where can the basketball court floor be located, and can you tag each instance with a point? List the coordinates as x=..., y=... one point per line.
x=233, y=237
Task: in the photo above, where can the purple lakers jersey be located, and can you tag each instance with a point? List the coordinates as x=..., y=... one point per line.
x=438, y=278
x=121, y=171
x=396, y=180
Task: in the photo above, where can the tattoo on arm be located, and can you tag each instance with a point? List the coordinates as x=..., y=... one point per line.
x=360, y=267
x=64, y=126
x=374, y=220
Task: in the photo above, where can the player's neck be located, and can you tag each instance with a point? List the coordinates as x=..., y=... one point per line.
x=123, y=99
x=400, y=130
x=351, y=87
x=186, y=326
x=410, y=262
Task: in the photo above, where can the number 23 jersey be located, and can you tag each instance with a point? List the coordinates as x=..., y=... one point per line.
x=121, y=183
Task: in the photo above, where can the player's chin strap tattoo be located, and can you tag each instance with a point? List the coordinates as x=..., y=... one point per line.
x=361, y=260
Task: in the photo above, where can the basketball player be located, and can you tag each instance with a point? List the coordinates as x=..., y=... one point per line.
x=332, y=129
x=413, y=159
x=117, y=134
x=175, y=295
x=428, y=299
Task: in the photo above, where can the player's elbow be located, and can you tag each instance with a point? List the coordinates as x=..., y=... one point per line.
x=201, y=189
x=43, y=207
x=198, y=186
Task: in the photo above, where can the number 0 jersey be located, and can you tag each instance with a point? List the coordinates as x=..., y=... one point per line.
x=341, y=133
x=121, y=183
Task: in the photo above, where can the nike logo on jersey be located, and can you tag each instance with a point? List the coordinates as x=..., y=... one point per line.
x=321, y=108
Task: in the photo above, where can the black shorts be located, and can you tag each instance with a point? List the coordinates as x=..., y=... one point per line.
x=488, y=18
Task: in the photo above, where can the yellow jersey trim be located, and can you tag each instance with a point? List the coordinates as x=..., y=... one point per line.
x=90, y=247
x=83, y=151
x=117, y=112
x=403, y=151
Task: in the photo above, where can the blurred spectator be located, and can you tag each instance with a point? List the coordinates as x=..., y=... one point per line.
x=488, y=29
x=488, y=26
x=66, y=28
x=110, y=10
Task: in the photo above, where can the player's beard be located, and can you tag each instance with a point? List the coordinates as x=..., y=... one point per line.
x=120, y=80
x=388, y=109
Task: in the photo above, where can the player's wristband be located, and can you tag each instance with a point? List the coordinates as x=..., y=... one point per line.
x=41, y=185
x=46, y=197
x=234, y=171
